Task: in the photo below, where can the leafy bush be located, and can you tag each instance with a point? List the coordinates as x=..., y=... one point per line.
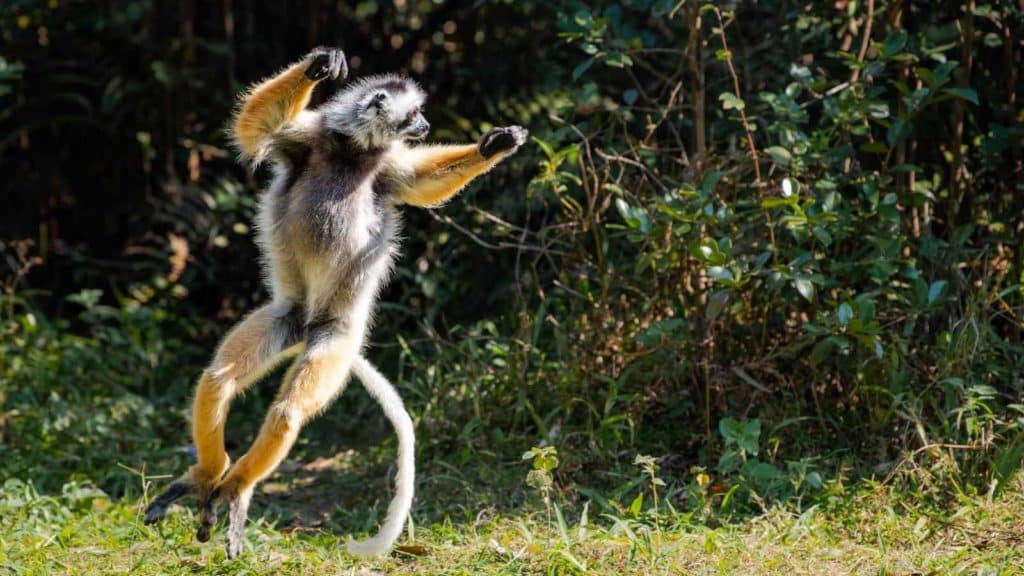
x=771, y=243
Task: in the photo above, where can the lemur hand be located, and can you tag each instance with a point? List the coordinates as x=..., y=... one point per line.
x=505, y=139
x=327, y=62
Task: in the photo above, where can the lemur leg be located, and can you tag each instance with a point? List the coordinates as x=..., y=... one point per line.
x=249, y=350
x=312, y=382
x=274, y=102
x=440, y=172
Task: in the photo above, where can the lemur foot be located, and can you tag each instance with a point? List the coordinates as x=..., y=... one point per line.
x=238, y=512
x=327, y=62
x=237, y=498
x=505, y=139
x=207, y=518
x=157, y=509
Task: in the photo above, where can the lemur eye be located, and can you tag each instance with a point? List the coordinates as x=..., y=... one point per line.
x=412, y=115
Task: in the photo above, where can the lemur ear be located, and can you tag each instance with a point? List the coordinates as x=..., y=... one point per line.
x=377, y=102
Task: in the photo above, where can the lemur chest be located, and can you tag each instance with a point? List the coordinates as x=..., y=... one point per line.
x=336, y=203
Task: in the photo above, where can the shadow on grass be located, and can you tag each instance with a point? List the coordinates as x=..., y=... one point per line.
x=348, y=492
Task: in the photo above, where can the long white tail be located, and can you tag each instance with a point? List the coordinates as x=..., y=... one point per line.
x=386, y=395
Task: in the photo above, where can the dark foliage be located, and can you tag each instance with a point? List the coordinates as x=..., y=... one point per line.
x=755, y=238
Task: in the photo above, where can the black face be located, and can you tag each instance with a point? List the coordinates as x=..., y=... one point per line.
x=414, y=126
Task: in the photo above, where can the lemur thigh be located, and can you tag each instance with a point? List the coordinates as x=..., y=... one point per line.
x=249, y=350
x=310, y=384
x=439, y=172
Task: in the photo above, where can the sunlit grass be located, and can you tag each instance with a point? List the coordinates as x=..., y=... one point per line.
x=868, y=530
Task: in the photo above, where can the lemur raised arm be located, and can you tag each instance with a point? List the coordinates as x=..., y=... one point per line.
x=327, y=231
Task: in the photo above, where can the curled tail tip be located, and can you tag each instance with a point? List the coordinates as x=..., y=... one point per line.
x=367, y=548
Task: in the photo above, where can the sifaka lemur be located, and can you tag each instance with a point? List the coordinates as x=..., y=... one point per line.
x=328, y=233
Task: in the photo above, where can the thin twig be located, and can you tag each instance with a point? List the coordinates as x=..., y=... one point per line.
x=739, y=96
x=499, y=246
x=746, y=126
x=864, y=42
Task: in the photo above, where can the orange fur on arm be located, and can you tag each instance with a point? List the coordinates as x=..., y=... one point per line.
x=268, y=106
x=440, y=172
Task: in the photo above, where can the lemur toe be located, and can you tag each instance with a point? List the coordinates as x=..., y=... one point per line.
x=154, y=514
x=207, y=517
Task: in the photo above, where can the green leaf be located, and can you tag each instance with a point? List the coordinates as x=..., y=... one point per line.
x=936, y=290
x=761, y=472
x=630, y=96
x=743, y=433
x=894, y=43
x=926, y=76
x=821, y=351
x=716, y=303
x=662, y=7
x=844, y=314
x=777, y=202
x=618, y=60
x=720, y=273
x=805, y=287
x=875, y=147
x=780, y=155
x=636, y=505
x=878, y=110
x=731, y=102
x=581, y=68
x=942, y=72
x=964, y=94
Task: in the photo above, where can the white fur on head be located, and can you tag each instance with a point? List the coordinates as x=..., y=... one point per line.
x=350, y=111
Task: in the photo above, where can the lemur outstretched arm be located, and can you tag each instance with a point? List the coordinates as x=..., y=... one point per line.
x=274, y=102
x=440, y=171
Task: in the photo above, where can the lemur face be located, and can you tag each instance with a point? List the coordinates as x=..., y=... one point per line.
x=380, y=109
x=396, y=111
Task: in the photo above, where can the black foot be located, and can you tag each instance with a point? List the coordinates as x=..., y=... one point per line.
x=327, y=63
x=499, y=140
x=157, y=509
x=207, y=517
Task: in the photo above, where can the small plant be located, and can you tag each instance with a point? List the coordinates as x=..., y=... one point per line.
x=545, y=460
x=649, y=465
x=761, y=480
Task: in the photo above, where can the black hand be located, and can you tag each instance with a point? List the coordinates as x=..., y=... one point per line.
x=327, y=62
x=499, y=140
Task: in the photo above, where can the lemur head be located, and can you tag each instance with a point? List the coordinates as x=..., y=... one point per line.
x=378, y=110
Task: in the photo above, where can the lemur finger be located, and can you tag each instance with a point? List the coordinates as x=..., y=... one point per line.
x=157, y=509
x=339, y=66
x=519, y=134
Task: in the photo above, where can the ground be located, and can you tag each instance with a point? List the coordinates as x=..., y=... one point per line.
x=298, y=526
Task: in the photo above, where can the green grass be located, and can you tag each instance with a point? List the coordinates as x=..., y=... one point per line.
x=300, y=528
